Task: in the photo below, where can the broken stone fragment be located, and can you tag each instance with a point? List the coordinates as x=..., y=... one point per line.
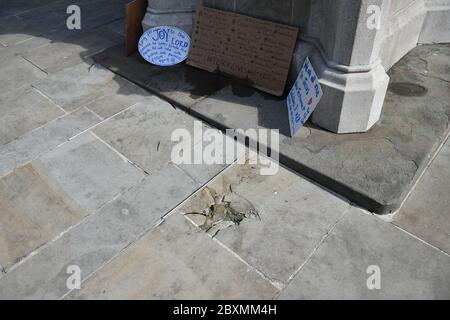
x=225, y=211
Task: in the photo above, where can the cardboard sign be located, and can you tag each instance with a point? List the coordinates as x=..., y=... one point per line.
x=164, y=45
x=256, y=51
x=304, y=97
x=135, y=12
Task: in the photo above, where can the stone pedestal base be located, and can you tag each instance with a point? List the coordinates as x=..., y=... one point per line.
x=350, y=58
x=178, y=13
x=352, y=101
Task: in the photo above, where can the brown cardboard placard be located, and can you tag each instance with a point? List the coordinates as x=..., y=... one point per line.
x=135, y=12
x=256, y=51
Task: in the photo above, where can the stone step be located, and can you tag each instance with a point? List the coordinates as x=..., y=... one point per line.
x=376, y=169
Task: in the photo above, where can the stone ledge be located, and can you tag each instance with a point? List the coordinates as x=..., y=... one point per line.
x=375, y=170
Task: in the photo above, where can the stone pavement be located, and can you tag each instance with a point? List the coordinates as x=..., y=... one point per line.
x=86, y=179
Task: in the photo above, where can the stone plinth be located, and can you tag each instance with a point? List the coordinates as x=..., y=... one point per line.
x=350, y=54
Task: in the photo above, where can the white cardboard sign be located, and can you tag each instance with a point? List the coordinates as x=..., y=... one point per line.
x=164, y=45
x=304, y=97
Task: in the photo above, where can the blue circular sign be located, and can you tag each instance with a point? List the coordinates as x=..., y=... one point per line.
x=164, y=45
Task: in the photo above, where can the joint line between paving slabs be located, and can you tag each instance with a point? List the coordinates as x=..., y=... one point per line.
x=274, y=283
x=123, y=157
x=421, y=240
x=33, y=64
x=69, y=139
x=49, y=99
x=317, y=184
x=157, y=224
x=34, y=130
x=389, y=218
x=315, y=249
x=45, y=245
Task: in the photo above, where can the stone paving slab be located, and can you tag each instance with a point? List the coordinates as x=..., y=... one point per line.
x=22, y=111
x=410, y=269
x=89, y=171
x=44, y=139
x=176, y=260
x=143, y=134
x=17, y=73
x=15, y=29
x=76, y=86
x=11, y=7
x=109, y=20
x=47, y=196
x=34, y=217
x=73, y=50
x=117, y=95
x=99, y=238
x=293, y=215
x=426, y=213
x=376, y=169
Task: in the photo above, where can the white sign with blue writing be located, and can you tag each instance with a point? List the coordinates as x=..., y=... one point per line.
x=164, y=45
x=304, y=97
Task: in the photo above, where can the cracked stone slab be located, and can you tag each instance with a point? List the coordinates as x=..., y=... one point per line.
x=143, y=134
x=22, y=111
x=426, y=213
x=44, y=139
x=52, y=193
x=374, y=169
x=99, y=238
x=290, y=217
x=409, y=268
x=180, y=84
x=176, y=260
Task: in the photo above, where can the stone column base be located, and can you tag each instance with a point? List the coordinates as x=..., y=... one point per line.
x=353, y=99
x=178, y=13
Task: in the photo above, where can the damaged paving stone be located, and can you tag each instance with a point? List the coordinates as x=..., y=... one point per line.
x=224, y=211
x=273, y=223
